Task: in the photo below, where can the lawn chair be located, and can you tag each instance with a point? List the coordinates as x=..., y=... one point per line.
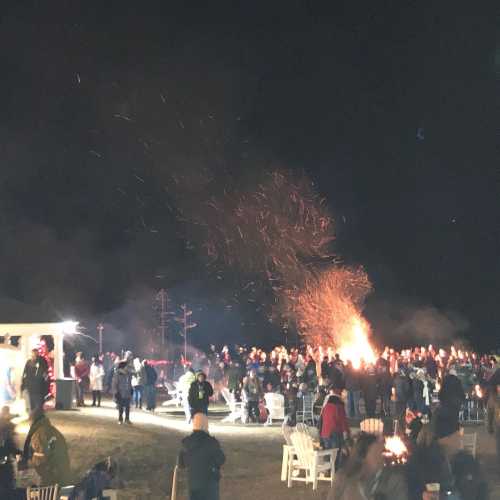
x=236, y=408
x=43, y=493
x=316, y=464
x=372, y=426
x=275, y=405
x=469, y=443
x=174, y=393
x=306, y=411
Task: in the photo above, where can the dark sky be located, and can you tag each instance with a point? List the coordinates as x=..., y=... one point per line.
x=389, y=110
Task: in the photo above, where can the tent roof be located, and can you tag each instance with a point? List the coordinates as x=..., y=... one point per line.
x=27, y=329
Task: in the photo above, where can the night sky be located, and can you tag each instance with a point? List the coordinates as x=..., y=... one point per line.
x=117, y=117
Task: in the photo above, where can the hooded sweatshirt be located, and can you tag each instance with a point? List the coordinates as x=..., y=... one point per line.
x=203, y=457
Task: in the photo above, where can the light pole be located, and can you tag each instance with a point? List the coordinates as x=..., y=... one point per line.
x=100, y=328
x=186, y=325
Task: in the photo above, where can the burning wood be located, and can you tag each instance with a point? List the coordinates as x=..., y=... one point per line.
x=396, y=452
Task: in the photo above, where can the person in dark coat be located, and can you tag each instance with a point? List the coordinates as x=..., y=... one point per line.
x=35, y=380
x=352, y=379
x=203, y=457
x=121, y=389
x=199, y=394
x=452, y=393
x=384, y=385
x=150, y=386
x=369, y=387
x=402, y=391
x=8, y=451
x=441, y=460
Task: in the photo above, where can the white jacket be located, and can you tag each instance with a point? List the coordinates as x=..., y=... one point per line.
x=96, y=377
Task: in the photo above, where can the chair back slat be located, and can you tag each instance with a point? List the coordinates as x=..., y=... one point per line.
x=303, y=446
x=43, y=493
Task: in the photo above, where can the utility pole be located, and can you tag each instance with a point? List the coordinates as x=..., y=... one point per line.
x=186, y=325
x=162, y=298
x=100, y=328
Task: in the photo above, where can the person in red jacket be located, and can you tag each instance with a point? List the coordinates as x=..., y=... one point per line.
x=82, y=372
x=333, y=423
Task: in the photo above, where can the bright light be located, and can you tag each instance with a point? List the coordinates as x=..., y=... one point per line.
x=356, y=347
x=395, y=446
x=69, y=327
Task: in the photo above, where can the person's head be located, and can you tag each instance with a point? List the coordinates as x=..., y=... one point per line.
x=34, y=354
x=122, y=365
x=200, y=422
x=366, y=457
x=201, y=377
x=5, y=413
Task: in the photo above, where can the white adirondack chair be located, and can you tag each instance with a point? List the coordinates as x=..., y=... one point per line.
x=174, y=393
x=469, y=443
x=316, y=464
x=236, y=408
x=275, y=404
x=43, y=493
x=372, y=426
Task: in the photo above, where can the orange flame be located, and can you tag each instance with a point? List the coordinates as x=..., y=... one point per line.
x=355, y=347
x=395, y=446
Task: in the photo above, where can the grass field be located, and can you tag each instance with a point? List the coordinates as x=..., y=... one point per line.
x=147, y=450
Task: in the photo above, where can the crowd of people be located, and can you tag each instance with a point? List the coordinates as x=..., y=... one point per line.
x=425, y=390
x=385, y=386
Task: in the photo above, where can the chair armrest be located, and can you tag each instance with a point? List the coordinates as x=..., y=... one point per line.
x=323, y=453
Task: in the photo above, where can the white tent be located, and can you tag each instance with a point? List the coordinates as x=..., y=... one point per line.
x=13, y=358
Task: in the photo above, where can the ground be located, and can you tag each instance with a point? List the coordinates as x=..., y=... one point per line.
x=147, y=452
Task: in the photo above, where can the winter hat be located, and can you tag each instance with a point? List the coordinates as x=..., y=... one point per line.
x=444, y=423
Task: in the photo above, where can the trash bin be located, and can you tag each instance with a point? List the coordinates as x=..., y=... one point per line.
x=65, y=391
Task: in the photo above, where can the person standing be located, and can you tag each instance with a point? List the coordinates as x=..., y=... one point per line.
x=333, y=424
x=96, y=378
x=82, y=372
x=138, y=377
x=353, y=388
x=384, y=386
x=402, y=396
x=452, y=393
x=122, y=390
x=369, y=385
x=252, y=390
x=199, y=393
x=202, y=456
x=35, y=380
x=150, y=377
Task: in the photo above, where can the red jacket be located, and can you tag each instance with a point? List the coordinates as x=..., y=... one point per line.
x=333, y=419
x=82, y=369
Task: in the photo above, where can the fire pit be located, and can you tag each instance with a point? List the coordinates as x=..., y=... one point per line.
x=395, y=452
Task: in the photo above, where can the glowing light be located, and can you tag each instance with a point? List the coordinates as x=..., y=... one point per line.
x=479, y=391
x=69, y=327
x=355, y=346
x=394, y=445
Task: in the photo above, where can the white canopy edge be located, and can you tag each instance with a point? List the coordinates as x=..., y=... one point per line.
x=26, y=329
